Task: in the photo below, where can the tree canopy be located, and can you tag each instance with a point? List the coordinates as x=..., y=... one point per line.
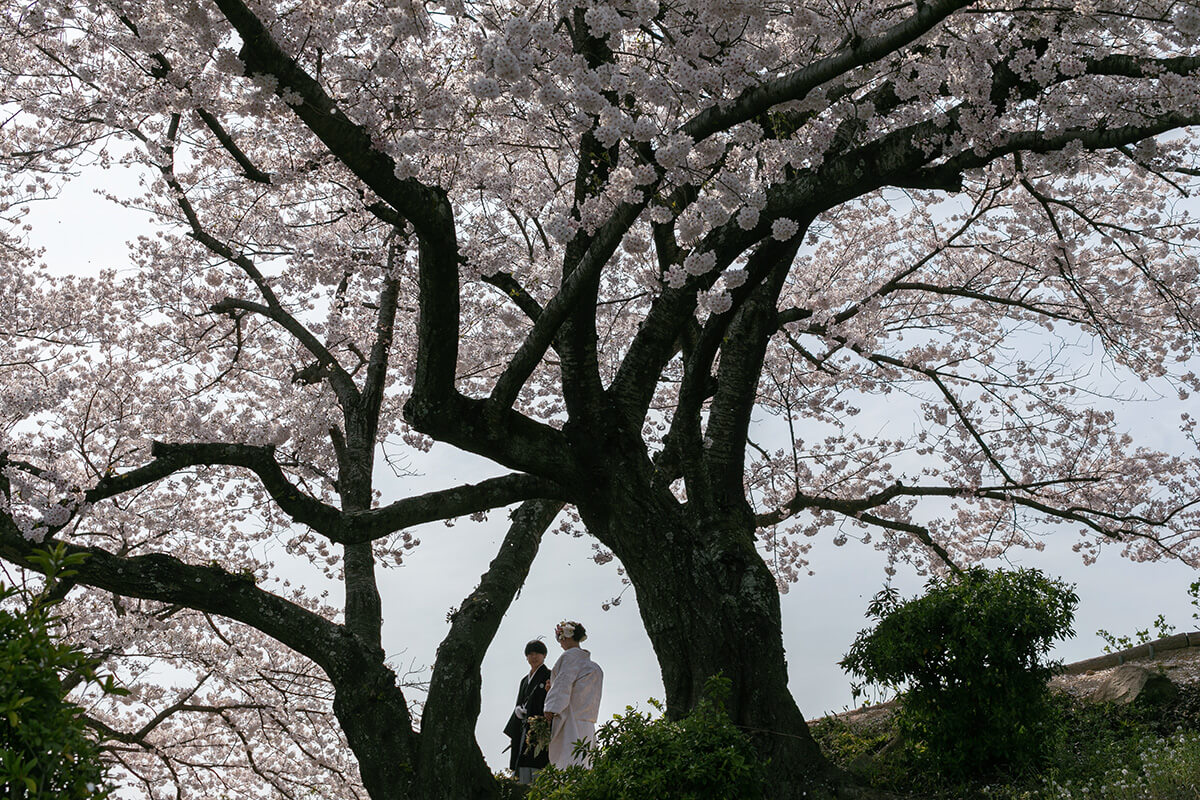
x=650, y=258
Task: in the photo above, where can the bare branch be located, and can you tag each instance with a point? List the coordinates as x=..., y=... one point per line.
x=249, y=169
x=205, y=588
x=362, y=526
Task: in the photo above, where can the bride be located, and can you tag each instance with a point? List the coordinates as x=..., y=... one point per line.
x=573, y=702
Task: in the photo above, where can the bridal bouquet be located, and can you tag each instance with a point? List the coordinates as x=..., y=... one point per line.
x=538, y=735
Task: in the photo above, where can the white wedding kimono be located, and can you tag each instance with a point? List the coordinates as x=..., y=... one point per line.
x=574, y=699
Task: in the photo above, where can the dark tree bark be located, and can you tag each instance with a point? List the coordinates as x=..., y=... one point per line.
x=711, y=606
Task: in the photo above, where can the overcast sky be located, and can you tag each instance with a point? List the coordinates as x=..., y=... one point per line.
x=821, y=613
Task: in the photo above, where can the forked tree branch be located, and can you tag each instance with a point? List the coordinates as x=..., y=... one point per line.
x=796, y=85
x=575, y=287
x=354, y=527
x=425, y=207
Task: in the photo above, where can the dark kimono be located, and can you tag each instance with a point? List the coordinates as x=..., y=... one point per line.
x=531, y=696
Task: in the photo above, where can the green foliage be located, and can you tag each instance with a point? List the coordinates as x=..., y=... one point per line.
x=1160, y=629
x=1129, y=761
x=46, y=753
x=508, y=788
x=702, y=756
x=1102, y=752
x=970, y=652
x=1120, y=753
x=865, y=749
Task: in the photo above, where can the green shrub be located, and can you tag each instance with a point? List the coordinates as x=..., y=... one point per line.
x=1103, y=752
x=1120, y=753
x=508, y=788
x=702, y=756
x=46, y=753
x=970, y=652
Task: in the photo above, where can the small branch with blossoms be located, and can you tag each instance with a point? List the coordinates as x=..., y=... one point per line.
x=421, y=205
x=1110, y=524
x=798, y=84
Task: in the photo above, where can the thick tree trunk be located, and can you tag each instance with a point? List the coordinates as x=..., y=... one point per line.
x=374, y=716
x=710, y=605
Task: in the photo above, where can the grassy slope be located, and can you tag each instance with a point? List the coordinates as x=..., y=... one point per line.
x=1101, y=752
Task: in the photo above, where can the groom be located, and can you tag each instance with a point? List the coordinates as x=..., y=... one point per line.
x=530, y=698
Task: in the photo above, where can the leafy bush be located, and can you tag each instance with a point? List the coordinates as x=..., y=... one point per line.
x=508, y=788
x=1118, y=753
x=702, y=756
x=46, y=753
x=1103, y=752
x=970, y=652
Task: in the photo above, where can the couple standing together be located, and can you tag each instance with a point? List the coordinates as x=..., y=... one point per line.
x=568, y=696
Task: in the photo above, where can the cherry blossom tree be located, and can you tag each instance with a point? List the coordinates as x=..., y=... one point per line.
x=654, y=256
